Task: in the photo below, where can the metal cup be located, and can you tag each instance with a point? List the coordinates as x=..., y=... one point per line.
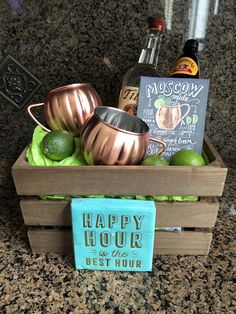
x=114, y=137
x=68, y=107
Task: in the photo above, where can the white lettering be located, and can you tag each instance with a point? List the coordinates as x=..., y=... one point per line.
x=195, y=90
x=170, y=87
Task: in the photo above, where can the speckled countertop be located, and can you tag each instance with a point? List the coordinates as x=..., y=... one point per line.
x=50, y=284
x=63, y=42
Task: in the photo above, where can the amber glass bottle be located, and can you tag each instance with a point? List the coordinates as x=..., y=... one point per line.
x=187, y=65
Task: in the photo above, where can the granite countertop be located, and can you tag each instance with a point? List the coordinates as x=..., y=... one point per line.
x=34, y=283
x=62, y=42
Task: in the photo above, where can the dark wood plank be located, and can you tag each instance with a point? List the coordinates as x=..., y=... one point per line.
x=186, y=243
x=169, y=214
x=121, y=180
x=129, y=180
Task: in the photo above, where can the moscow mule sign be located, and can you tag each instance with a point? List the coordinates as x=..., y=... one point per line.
x=174, y=109
x=113, y=234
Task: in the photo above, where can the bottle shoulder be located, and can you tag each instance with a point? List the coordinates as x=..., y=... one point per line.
x=186, y=65
x=192, y=56
x=132, y=76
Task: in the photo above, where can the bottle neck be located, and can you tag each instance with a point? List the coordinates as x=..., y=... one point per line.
x=190, y=51
x=150, y=51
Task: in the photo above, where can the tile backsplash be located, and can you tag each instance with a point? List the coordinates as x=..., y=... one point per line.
x=62, y=42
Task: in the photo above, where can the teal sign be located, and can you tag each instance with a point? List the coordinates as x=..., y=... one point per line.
x=113, y=234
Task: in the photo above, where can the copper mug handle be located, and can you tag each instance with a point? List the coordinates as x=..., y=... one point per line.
x=159, y=141
x=33, y=117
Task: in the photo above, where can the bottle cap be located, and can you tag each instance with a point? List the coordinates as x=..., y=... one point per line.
x=191, y=44
x=157, y=23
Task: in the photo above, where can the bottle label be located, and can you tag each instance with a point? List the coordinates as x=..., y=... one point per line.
x=185, y=65
x=128, y=100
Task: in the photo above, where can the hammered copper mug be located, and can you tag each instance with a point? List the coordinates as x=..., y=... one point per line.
x=114, y=137
x=68, y=107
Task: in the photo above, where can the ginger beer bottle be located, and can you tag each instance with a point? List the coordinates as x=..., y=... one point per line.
x=187, y=65
x=146, y=66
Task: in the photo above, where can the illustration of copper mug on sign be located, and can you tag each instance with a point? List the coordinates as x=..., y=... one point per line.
x=170, y=114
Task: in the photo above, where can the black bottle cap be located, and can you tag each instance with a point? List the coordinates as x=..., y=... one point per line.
x=191, y=44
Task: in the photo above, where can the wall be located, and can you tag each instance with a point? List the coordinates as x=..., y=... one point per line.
x=64, y=42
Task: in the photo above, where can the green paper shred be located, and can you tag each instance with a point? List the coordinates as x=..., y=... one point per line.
x=184, y=198
x=140, y=197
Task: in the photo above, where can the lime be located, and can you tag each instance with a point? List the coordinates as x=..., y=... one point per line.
x=187, y=157
x=58, y=144
x=154, y=160
x=159, y=102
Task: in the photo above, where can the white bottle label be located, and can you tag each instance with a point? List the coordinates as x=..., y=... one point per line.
x=128, y=100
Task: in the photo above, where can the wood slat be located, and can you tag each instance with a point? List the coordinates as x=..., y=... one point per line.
x=185, y=243
x=51, y=241
x=169, y=214
x=200, y=214
x=119, y=180
x=212, y=153
x=122, y=180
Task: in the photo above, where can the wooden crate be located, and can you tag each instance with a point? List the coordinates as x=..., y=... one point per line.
x=49, y=222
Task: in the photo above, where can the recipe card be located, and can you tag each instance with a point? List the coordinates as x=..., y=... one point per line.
x=113, y=234
x=175, y=110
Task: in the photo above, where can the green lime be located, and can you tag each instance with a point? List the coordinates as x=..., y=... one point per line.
x=154, y=160
x=159, y=102
x=195, y=118
x=187, y=157
x=58, y=144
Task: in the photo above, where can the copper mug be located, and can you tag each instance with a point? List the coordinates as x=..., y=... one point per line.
x=114, y=137
x=68, y=107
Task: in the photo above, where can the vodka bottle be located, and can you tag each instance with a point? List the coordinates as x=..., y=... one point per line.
x=146, y=66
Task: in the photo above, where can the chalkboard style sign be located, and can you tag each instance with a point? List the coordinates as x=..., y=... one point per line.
x=113, y=234
x=174, y=109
